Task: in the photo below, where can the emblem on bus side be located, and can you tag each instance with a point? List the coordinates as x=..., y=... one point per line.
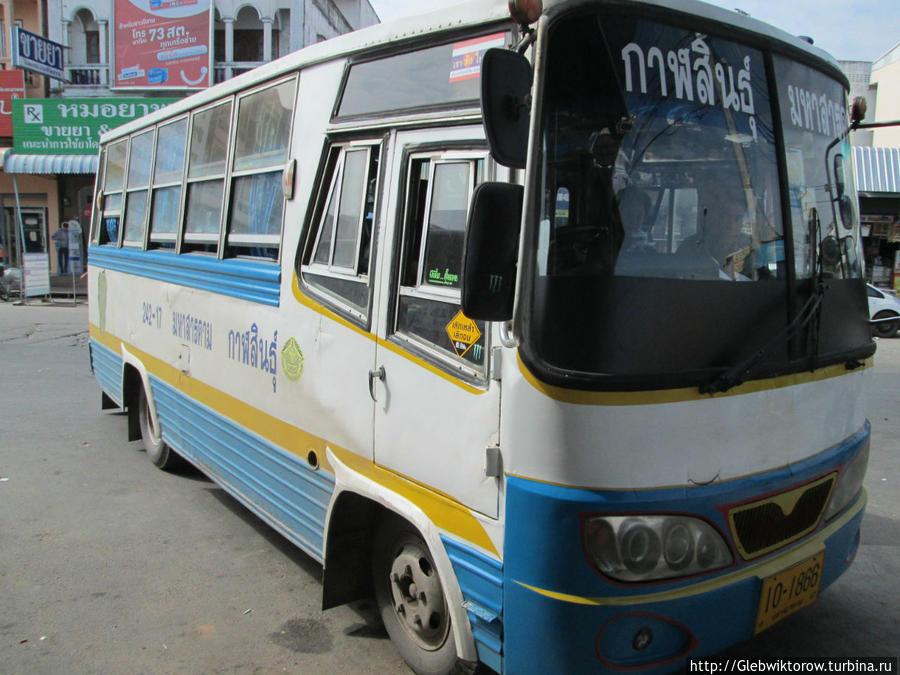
x=292, y=360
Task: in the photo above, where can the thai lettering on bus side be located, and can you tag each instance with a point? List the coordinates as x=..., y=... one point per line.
x=192, y=329
x=249, y=348
x=815, y=112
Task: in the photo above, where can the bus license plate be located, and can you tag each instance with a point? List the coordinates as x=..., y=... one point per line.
x=789, y=591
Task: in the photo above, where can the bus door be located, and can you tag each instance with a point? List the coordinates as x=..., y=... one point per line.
x=437, y=410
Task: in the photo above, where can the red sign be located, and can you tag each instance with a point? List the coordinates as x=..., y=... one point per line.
x=162, y=44
x=12, y=85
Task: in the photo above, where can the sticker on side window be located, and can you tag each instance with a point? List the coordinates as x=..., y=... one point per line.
x=463, y=333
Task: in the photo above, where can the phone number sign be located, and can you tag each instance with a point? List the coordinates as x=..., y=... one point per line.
x=162, y=45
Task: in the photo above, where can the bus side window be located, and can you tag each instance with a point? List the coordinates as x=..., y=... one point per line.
x=428, y=313
x=206, y=178
x=140, y=158
x=337, y=260
x=113, y=182
x=167, y=176
x=262, y=142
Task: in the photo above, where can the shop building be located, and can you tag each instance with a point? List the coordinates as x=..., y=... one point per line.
x=121, y=61
x=877, y=159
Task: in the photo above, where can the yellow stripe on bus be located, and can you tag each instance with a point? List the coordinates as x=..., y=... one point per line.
x=684, y=394
x=445, y=512
x=306, y=301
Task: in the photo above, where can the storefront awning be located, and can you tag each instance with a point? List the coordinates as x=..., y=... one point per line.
x=877, y=169
x=53, y=164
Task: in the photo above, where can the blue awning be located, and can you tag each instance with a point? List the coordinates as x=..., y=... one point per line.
x=49, y=164
x=877, y=169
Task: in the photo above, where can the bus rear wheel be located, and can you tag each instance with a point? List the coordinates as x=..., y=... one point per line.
x=157, y=450
x=411, y=599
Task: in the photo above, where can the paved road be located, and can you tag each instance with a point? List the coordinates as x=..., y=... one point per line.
x=108, y=565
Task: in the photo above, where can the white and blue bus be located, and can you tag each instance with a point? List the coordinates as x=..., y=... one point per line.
x=543, y=326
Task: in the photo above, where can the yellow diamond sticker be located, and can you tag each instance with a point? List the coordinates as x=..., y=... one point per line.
x=463, y=333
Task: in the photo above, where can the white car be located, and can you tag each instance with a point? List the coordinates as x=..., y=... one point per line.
x=883, y=307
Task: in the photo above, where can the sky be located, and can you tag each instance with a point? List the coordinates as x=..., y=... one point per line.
x=850, y=30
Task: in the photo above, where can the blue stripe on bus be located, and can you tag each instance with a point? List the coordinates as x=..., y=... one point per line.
x=107, y=367
x=543, y=550
x=251, y=280
x=277, y=486
x=481, y=582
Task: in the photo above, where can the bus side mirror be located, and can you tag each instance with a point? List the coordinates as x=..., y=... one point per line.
x=506, y=105
x=491, y=252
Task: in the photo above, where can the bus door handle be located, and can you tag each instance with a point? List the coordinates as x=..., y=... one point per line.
x=376, y=374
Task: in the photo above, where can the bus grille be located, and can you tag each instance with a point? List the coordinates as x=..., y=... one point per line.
x=765, y=525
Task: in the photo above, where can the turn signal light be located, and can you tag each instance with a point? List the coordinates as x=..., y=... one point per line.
x=525, y=12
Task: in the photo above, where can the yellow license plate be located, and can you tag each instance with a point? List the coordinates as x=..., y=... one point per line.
x=788, y=591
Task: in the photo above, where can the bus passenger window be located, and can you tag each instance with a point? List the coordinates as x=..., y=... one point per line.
x=140, y=159
x=428, y=306
x=113, y=182
x=337, y=260
x=262, y=144
x=206, y=178
x=167, y=176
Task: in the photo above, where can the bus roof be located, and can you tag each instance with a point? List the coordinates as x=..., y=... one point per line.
x=457, y=17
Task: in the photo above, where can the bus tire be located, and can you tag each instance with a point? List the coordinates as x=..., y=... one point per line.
x=157, y=450
x=411, y=599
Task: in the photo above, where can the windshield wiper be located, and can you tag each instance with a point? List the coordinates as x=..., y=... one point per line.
x=739, y=373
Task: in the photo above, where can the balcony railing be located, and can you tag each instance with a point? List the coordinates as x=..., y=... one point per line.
x=88, y=75
x=225, y=70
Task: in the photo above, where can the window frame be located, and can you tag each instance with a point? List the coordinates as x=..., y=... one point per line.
x=471, y=152
x=226, y=237
x=186, y=238
x=129, y=191
x=118, y=212
x=330, y=184
x=168, y=237
x=451, y=106
x=97, y=199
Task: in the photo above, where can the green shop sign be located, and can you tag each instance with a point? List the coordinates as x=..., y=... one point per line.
x=72, y=126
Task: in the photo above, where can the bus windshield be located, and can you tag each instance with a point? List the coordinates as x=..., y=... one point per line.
x=661, y=244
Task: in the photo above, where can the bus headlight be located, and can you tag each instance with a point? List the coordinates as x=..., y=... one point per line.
x=849, y=483
x=645, y=548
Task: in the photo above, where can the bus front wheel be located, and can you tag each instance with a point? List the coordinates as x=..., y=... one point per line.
x=411, y=599
x=157, y=450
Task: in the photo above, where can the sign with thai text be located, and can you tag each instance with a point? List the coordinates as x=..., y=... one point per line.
x=37, y=54
x=12, y=86
x=162, y=44
x=37, y=274
x=463, y=333
x=72, y=126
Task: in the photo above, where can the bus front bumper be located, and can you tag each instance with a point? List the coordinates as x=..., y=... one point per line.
x=658, y=631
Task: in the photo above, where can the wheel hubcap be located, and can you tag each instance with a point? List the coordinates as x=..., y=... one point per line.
x=418, y=598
